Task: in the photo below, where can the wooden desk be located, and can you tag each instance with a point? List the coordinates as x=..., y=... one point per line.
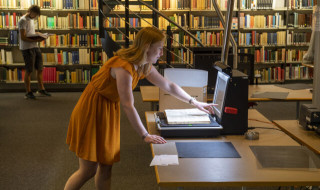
x=244, y=171
x=309, y=139
x=151, y=94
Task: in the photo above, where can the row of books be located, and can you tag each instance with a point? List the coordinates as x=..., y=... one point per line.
x=9, y=20
x=209, y=38
x=112, y=22
x=298, y=38
x=295, y=55
x=50, y=75
x=262, y=4
x=207, y=22
x=271, y=74
x=207, y=4
x=50, y=4
x=82, y=56
x=4, y=41
x=276, y=4
x=278, y=74
x=135, y=8
x=71, y=21
x=246, y=21
x=72, y=40
x=299, y=20
x=261, y=21
x=301, y=4
x=120, y=22
x=263, y=55
x=206, y=38
x=121, y=36
x=11, y=40
x=6, y=57
x=63, y=40
x=281, y=55
x=181, y=56
x=298, y=72
x=264, y=38
x=67, y=57
x=193, y=4
x=174, y=4
x=180, y=19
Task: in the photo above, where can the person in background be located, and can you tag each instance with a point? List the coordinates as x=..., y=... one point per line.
x=30, y=51
x=94, y=127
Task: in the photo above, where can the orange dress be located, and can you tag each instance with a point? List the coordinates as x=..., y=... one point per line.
x=94, y=127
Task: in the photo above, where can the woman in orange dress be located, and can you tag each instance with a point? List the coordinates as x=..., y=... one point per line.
x=94, y=127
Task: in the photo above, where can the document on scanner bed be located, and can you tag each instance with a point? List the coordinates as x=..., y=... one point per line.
x=187, y=116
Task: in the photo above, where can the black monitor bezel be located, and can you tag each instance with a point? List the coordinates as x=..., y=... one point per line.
x=225, y=78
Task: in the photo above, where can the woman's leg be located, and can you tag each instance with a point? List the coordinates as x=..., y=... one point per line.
x=103, y=177
x=87, y=170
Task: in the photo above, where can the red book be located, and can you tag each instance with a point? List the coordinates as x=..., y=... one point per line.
x=92, y=57
x=49, y=74
x=59, y=59
x=55, y=74
x=7, y=20
x=14, y=19
x=81, y=22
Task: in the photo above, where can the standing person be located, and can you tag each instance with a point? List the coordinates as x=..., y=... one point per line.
x=30, y=51
x=94, y=127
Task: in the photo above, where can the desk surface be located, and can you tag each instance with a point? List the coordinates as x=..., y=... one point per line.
x=308, y=138
x=244, y=171
x=151, y=93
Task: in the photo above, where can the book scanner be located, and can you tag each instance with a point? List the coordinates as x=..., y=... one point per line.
x=231, y=113
x=234, y=118
x=195, y=129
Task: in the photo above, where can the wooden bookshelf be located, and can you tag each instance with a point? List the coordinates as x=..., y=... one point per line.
x=70, y=56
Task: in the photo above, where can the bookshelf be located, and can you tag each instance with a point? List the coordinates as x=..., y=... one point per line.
x=70, y=56
x=276, y=33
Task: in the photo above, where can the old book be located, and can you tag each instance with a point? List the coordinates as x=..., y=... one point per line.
x=39, y=36
x=186, y=116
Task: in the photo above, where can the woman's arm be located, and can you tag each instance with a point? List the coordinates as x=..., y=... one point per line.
x=124, y=86
x=157, y=79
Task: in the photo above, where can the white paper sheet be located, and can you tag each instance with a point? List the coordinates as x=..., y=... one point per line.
x=164, y=160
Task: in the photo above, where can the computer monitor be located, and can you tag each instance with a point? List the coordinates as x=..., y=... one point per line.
x=220, y=93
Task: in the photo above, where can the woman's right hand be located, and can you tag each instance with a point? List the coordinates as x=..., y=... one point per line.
x=154, y=139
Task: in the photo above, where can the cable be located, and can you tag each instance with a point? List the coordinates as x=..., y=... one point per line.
x=261, y=121
x=264, y=128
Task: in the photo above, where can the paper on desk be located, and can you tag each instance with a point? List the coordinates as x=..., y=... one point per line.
x=164, y=160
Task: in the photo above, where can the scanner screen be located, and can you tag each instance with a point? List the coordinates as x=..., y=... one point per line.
x=220, y=93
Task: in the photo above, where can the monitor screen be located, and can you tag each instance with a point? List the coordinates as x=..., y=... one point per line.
x=220, y=93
